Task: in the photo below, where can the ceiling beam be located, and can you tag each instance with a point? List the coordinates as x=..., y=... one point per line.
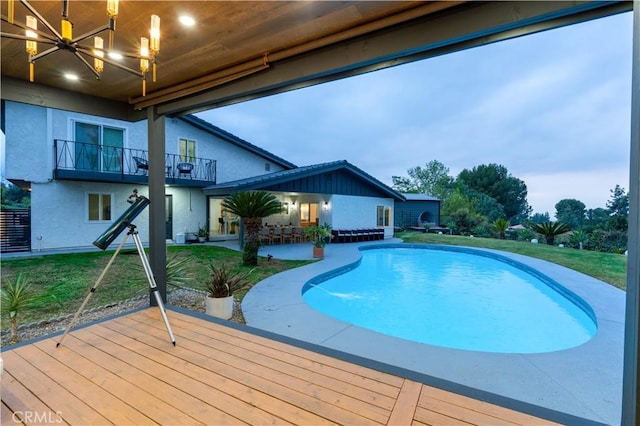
x=51, y=97
x=461, y=27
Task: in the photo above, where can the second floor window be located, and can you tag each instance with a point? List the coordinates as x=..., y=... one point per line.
x=98, y=148
x=187, y=150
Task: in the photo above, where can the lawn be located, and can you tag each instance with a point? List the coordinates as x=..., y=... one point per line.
x=608, y=267
x=62, y=281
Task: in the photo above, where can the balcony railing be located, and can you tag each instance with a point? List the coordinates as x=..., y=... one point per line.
x=86, y=161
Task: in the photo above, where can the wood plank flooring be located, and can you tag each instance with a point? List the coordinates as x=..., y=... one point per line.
x=125, y=371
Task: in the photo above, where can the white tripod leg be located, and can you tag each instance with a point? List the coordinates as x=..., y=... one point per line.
x=152, y=284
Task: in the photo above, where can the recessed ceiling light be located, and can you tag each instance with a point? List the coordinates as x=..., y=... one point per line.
x=115, y=55
x=187, y=21
x=72, y=77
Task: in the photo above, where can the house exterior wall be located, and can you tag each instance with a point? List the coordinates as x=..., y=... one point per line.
x=407, y=213
x=189, y=209
x=232, y=161
x=352, y=212
x=59, y=217
x=28, y=143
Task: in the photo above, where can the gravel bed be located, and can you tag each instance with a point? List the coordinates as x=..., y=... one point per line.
x=185, y=298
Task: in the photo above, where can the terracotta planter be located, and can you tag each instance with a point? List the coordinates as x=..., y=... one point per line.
x=318, y=252
x=221, y=307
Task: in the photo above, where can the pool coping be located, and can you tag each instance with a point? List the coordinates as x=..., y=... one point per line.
x=584, y=381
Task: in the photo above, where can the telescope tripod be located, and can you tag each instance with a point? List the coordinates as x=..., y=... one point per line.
x=149, y=273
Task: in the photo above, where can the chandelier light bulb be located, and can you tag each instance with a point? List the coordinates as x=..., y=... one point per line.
x=32, y=46
x=154, y=46
x=98, y=45
x=112, y=8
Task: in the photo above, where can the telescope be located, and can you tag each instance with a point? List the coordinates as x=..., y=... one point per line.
x=138, y=203
x=107, y=237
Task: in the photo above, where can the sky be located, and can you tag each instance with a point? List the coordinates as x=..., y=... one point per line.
x=553, y=108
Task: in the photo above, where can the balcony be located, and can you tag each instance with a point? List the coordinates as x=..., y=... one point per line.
x=100, y=163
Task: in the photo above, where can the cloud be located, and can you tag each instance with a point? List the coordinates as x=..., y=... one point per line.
x=553, y=108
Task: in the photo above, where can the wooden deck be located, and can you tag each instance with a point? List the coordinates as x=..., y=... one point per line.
x=126, y=371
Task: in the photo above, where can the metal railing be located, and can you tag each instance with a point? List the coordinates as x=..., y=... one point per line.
x=87, y=157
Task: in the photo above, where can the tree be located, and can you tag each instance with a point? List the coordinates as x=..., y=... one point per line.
x=618, y=205
x=252, y=207
x=540, y=217
x=14, y=196
x=485, y=205
x=597, y=217
x=434, y=180
x=571, y=212
x=550, y=230
x=495, y=181
x=618, y=210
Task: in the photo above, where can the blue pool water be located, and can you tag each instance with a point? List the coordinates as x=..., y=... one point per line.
x=455, y=298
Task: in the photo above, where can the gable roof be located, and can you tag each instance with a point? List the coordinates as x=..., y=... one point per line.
x=337, y=177
x=235, y=140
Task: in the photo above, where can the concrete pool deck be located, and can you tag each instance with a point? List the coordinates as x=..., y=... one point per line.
x=584, y=381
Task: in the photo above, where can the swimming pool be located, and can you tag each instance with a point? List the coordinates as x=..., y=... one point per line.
x=454, y=297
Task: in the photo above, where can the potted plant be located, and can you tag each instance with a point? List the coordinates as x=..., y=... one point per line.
x=223, y=283
x=319, y=236
x=203, y=233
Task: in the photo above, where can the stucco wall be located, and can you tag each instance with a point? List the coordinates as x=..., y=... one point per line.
x=189, y=209
x=28, y=143
x=232, y=162
x=350, y=212
x=59, y=215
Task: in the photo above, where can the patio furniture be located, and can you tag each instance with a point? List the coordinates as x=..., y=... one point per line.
x=277, y=234
x=265, y=235
x=287, y=234
x=141, y=164
x=185, y=169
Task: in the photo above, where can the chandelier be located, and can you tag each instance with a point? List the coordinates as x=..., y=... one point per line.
x=64, y=41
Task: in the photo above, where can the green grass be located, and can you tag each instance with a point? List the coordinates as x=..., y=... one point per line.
x=608, y=267
x=62, y=281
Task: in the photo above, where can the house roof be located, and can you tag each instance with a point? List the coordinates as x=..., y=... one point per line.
x=235, y=140
x=419, y=197
x=340, y=177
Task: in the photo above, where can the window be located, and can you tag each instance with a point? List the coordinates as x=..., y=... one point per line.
x=187, y=150
x=98, y=148
x=99, y=207
x=267, y=167
x=383, y=216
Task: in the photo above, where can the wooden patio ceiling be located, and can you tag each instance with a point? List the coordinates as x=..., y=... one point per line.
x=126, y=371
x=240, y=50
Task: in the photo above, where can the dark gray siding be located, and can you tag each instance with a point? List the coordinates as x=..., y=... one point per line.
x=416, y=213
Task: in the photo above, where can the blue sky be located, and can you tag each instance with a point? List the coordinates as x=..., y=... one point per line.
x=553, y=108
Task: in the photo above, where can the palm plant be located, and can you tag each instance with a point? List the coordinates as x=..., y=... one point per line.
x=252, y=207
x=550, y=230
x=223, y=282
x=177, y=274
x=16, y=295
x=501, y=225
